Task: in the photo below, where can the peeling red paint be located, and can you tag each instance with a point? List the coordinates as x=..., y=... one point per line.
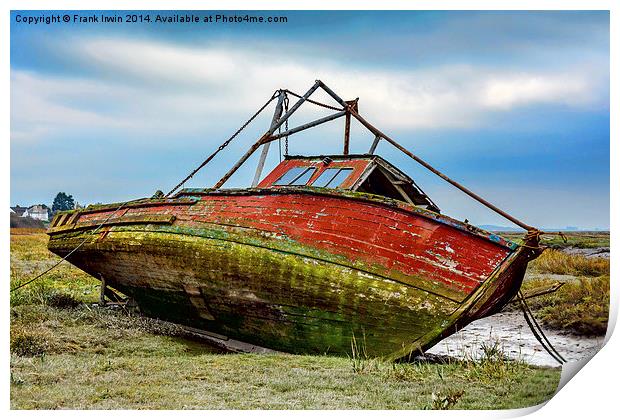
x=389, y=238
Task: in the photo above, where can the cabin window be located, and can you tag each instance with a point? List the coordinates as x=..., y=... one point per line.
x=298, y=175
x=332, y=177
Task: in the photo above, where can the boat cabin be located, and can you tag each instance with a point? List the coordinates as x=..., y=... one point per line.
x=364, y=173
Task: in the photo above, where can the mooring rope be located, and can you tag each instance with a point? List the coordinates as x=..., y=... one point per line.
x=533, y=235
x=71, y=252
x=537, y=330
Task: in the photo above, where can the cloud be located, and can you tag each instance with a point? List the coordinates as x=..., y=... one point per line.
x=158, y=87
x=515, y=90
x=42, y=106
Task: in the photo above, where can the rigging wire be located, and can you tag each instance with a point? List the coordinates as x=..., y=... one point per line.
x=223, y=145
x=71, y=252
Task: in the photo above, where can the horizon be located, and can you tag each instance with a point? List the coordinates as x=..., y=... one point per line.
x=513, y=105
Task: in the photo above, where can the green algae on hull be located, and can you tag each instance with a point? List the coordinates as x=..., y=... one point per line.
x=271, y=298
x=287, y=272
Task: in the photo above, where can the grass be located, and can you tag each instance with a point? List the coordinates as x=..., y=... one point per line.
x=573, y=239
x=580, y=307
x=557, y=262
x=29, y=257
x=67, y=353
x=101, y=359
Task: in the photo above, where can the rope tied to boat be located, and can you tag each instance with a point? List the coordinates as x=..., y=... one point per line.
x=537, y=330
x=38, y=276
x=533, y=236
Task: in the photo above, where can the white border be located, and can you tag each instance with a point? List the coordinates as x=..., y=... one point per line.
x=592, y=394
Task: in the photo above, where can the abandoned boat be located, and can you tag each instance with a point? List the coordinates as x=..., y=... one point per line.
x=322, y=252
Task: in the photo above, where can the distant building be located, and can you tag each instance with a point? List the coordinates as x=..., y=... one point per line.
x=38, y=211
x=19, y=210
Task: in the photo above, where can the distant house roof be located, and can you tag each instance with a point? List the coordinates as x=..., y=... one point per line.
x=38, y=211
x=19, y=210
x=38, y=208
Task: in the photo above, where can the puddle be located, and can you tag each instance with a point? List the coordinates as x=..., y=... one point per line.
x=516, y=340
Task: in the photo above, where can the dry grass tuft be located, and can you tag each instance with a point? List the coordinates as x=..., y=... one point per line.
x=558, y=262
x=28, y=343
x=445, y=400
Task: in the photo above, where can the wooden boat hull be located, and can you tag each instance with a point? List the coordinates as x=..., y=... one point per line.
x=297, y=270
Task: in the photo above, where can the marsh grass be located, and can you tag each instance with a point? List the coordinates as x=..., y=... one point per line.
x=360, y=362
x=557, y=262
x=492, y=365
x=68, y=353
x=582, y=240
x=29, y=257
x=25, y=342
x=99, y=358
x=580, y=306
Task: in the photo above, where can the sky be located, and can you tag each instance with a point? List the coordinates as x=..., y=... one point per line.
x=514, y=105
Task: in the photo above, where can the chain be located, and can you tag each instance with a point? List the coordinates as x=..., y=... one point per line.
x=280, y=143
x=286, y=126
x=297, y=95
x=226, y=143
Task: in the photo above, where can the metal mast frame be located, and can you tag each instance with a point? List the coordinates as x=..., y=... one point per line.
x=347, y=109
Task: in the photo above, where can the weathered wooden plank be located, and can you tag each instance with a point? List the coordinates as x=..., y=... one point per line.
x=121, y=220
x=298, y=272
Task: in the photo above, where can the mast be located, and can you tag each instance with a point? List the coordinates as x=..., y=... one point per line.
x=263, y=156
x=349, y=109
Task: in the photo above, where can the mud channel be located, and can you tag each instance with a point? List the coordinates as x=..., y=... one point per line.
x=513, y=337
x=510, y=332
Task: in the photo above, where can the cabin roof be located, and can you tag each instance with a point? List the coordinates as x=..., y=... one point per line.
x=365, y=173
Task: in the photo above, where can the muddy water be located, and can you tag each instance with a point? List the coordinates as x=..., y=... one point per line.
x=515, y=339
